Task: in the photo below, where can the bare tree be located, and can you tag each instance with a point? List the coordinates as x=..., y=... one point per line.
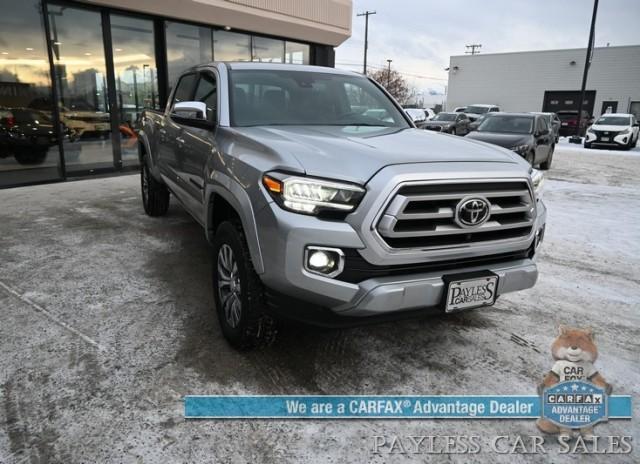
x=395, y=84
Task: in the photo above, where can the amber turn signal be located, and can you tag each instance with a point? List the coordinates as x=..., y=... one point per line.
x=273, y=185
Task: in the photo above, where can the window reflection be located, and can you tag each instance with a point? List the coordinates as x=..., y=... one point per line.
x=231, y=46
x=28, y=139
x=81, y=81
x=268, y=50
x=297, y=53
x=187, y=46
x=134, y=63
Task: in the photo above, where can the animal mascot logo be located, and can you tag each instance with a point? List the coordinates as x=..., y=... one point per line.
x=574, y=352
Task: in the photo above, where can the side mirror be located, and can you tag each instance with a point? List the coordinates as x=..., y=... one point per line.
x=190, y=110
x=637, y=124
x=192, y=113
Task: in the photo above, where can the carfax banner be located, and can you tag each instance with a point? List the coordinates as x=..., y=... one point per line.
x=563, y=407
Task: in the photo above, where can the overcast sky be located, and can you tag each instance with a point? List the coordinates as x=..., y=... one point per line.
x=420, y=35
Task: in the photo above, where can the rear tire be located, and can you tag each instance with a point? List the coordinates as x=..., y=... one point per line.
x=238, y=292
x=587, y=145
x=547, y=164
x=453, y=131
x=155, y=195
x=28, y=158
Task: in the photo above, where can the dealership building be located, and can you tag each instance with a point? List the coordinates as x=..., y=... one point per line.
x=548, y=80
x=75, y=75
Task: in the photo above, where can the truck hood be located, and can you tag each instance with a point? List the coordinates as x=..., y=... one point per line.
x=357, y=153
x=608, y=128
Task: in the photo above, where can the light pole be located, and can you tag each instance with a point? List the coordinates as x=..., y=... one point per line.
x=388, y=73
x=587, y=62
x=366, y=15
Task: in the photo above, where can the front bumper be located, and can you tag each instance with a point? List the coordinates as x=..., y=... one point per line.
x=614, y=140
x=283, y=237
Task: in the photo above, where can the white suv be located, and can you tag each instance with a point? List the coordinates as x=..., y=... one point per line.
x=613, y=129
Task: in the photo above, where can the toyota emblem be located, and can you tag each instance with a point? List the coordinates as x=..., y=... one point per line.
x=472, y=212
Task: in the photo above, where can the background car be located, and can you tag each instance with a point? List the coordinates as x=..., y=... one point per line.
x=418, y=116
x=430, y=113
x=613, y=129
x=553, y=121
x=569, y=121
x=459, y=109
x=474, y=124
x=477, y=110
x=451, y=123
x=527, y=134
x=27, y=134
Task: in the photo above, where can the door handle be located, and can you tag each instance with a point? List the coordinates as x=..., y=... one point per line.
x=180, y=140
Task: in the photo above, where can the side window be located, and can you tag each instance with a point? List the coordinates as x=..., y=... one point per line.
x=494, y=109
x=207, y=93
x=542, y=126
x=184, y=90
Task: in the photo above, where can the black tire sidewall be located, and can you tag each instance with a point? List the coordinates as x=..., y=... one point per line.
x=227, y=234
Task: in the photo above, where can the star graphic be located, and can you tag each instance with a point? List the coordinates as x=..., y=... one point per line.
x=591, y=390
x=566, y=388
x=584, y=388
x=574, y=387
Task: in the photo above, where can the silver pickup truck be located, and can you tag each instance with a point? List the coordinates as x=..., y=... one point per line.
x=323, y=202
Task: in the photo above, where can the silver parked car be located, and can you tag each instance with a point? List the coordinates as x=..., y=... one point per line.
x=324, y=203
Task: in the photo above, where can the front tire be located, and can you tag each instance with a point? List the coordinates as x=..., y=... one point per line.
x=238, y=291
x=587, y=145
x=155, y=195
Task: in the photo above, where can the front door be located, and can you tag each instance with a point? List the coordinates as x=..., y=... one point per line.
x=199, y=143
x=543, y=140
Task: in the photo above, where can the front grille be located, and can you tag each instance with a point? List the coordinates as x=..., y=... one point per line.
x=601, y=133
x=423, y=215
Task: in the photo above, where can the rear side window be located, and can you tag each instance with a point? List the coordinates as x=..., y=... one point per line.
x=207, y=93
x=184, y=90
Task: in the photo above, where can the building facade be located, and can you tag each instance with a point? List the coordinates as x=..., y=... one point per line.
x=548, y=80
x=75, y=75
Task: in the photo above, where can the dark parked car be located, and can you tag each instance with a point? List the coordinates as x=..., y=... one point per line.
x=527, y=134
x=569, y=120
x=26, y=134
x=474, y=124
x=451, y=123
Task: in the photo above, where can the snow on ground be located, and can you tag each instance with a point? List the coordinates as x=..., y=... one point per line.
x=139, y=288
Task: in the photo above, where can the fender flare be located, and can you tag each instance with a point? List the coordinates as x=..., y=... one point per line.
x=237, y=197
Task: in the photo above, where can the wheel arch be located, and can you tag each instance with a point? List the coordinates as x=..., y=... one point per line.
x=234, y=203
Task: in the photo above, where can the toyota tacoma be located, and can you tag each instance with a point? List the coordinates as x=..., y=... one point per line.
x=323, y=203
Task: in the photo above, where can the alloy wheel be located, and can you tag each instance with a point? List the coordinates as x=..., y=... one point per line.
x=229, y=288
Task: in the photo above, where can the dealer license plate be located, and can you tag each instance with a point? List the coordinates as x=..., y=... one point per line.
x=471, y=293
x=605, y=139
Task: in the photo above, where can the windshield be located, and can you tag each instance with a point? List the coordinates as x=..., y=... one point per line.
x=279, y=97
x=477, y=109
x=507, y=124
x=614, y=121
x=445, y=117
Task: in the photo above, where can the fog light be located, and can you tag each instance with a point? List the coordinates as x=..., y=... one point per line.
x=328, y=262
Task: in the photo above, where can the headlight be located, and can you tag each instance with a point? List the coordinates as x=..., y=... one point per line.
x=311, y=196
x=537, y=178
x=625, y=131
x=521, y=149
x=590, y=130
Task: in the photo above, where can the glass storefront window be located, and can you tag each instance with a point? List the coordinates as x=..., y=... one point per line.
x=81, y=80
x=268, y=50
x=231, y=46
x=134, y=63
x=296, y=53
x=187, y=46
x=28, y=139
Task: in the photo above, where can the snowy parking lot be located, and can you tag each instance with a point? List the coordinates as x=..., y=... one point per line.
x=107, y=322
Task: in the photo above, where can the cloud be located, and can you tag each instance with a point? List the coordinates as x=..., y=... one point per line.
x=420, y=36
